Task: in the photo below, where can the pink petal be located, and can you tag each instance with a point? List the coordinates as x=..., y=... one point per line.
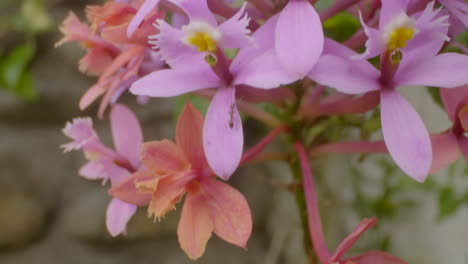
x=234, y=31
x=169, y=192
x=374, y=44
x=126, y=190
x=452, y=98
x=117, y=216
x=230, y=212
x=127, y=133
x=197, y=10
x=195, y=226
x=189, y=136
x=445, y=151
x=81, y=131
x=163, y=156
x=346, y=75
x=299, y=37
x=374, y=257
x=223, y=138
x=351, y=239
x=264, y=72
x=405, y=135
x=390, y=9
x=264, y=41
x=93, y=93
x=168, y=83
x=445, y=70
x=143, y=11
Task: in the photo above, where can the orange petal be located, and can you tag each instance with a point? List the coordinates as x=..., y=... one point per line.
x=189, y=135
x=95, y=61
x=163, y=156
x=195, y=226
x=127, y=191
x=229, y=211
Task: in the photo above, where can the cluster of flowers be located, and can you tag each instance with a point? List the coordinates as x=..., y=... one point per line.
x=238, y=55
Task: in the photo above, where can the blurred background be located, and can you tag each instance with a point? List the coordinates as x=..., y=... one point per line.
x=48, y=214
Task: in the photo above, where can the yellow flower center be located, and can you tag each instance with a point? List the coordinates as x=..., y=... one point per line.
x=201, y=35
x=399, y=37
x=203, y=41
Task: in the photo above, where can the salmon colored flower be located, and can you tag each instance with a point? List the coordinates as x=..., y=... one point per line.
x=178, y=169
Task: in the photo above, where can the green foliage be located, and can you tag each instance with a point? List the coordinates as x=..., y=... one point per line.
x=14, y=74
x=341, y=27
x=435, y=94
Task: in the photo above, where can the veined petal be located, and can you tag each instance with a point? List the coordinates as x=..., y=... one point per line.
x=445, y=70
x=345, y=75
x=168, y=83
x=298, y=38
x=195, y=226
x=445, y=151
x=189, y=136
x=163, y=156
x=265, y=72
x=230, y=212
x=127, y=133
x=197, y=10
x=223, y=138
x=234, y=31
x=117, y=216
x=374, y=257
x=126, y=190
x=143, y=11
x=351, y=239
x=405, y=135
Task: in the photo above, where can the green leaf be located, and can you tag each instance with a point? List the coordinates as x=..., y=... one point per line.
x=435, y=94
x=341, y=27
x=14, y=65
x=448, y=203
x=25, y=88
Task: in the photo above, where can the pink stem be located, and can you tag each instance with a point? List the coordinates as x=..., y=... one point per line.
x=350, y=148
x=260, y=146
x=315, y=225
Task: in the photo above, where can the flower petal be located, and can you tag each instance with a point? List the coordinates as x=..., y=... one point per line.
x=299, y=38
x=195, y=226
x=264, y=72
x=127, y=133
x=143, y=11
x=445, y=151
x=197, y=10
x=230, y=212
x=405, y=135
x=126, y=190
x=452, y=98
x=351, y=239
x=117, y=216
x=374, y=44
x=390, y=9
x=374, y=257
x=189, y=136
x=163, y=156
x=223, y=138
x=445, y=70
x=234, y=31
x=81, y=131
x=346, y=75
x=168, y=83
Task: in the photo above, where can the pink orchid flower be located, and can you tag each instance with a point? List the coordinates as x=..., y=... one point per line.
x=409, y=46
x=458, y=9
x=187, y=50
x=108, y=164
x=178, y=169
